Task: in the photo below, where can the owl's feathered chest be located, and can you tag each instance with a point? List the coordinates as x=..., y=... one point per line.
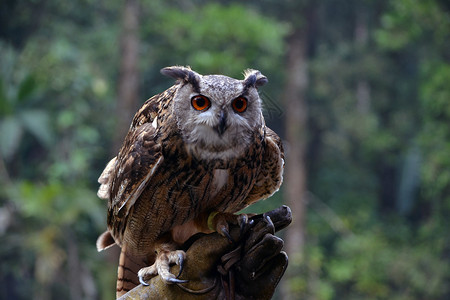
x=183, y=187
x=202, y=184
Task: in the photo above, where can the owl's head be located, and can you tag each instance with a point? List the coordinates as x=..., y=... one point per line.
x=218, y=116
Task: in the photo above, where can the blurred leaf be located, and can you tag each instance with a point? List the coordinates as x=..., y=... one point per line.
x=11, y=132
x=26, y=88
x=5, y=106
x=38, y=123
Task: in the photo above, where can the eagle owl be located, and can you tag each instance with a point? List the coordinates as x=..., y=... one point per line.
x=194, y=155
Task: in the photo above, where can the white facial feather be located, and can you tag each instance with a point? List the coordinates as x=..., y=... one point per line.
x=199, y=128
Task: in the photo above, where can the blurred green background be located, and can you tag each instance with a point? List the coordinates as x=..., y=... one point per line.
x=358, y=90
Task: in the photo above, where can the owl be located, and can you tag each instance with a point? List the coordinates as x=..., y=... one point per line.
x=194, y=156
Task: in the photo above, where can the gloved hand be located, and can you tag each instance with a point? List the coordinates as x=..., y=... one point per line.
x=216, y=268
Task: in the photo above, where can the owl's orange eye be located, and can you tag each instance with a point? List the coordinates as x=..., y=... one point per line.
x=200, y=102
x=239, y=104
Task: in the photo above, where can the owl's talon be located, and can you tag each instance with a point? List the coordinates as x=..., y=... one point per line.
x=176, y=280
x=142, y=281
x=225, y=233
x=180, y=263
x=161, y=267
x=220, y=222
x=242, y=222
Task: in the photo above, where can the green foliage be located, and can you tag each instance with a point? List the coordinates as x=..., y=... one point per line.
x=219, y=39
x=51, y=91
x=436, y=134
x=18, y=106
x=52, y=220
x=371, y=268
x=409, y=21
x=382, y=169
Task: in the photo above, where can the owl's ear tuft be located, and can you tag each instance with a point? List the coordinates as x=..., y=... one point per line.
x=182, y=74
x=254, y=78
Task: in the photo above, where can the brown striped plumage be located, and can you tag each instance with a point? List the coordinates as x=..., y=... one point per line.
x=177, y=166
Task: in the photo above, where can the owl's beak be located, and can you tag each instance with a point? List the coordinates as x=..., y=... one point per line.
x=222, y=126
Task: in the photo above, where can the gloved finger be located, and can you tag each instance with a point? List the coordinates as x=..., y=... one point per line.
x=260, y=228
x=263, y=286
x=261, y=253
x=281, y=217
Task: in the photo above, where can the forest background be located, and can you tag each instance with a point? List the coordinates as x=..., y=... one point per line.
x=358, y=90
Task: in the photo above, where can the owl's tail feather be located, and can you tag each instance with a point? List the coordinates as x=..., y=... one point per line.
x=127, y=271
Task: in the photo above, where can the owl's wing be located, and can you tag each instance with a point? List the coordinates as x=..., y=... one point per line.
x=270, y=176
x=137, y=161
x=127, y=174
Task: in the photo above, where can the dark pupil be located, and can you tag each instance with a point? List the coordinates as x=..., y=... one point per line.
x=200, y=101
x=239, y=104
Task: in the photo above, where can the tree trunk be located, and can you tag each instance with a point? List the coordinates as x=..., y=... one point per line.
x=128, y=85
x=361, y=41
x=295, y=123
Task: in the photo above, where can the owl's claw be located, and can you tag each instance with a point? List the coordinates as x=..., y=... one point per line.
x=169, y=280
x=176, y=280
x=161, y=267
x=221, y=221
x=142, y=281
x=181, y=264
x=242, y=222
x=224, y=231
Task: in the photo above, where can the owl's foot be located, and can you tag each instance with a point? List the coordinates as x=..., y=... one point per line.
x=219, y=222
x=161, y=267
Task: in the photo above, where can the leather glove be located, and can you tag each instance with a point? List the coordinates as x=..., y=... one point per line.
x=216, y=268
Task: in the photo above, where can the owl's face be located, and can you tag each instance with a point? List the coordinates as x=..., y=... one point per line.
x=218, y=115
